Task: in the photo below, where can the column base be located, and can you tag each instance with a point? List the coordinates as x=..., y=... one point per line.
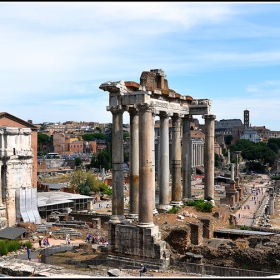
x=133, y=217
x=3, y=219
x=155, y=211
x=146, y=225
x=163, y=208
x=185, y=200
x=212, y=201
x=176, y=203
x=118, y=219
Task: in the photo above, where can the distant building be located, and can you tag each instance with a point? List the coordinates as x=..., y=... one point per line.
x=246, y=119
x=252, y=135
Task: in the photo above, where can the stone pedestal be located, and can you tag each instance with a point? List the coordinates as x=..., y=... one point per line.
x=3, y=219
x=137, y=243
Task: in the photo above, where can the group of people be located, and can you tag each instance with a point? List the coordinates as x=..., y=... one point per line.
x=45, y=242
x=96, y=239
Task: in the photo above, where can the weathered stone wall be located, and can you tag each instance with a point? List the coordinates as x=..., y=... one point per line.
x=89, y=218
x=13, y=123
x=16, y=158
x=132, y=241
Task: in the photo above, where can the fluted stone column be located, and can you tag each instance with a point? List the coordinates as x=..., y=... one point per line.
x=187, y=157
x=209, y=157
x=134, y=164
x=164, y=173
x=146, y=197
x=117, y=166
x=176, y=199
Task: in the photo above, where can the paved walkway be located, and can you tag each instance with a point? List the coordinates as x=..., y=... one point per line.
x=53, y=242
x=255, y=200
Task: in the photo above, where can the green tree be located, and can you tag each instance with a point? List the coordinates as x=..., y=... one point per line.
x=273, y=146
x=78, y=177
x=94, y=136
x=125, y=157
x=102, y=159
x=217, y=161
x=125, y=134
x=84, y=189
x=228, y=139
x=253, y=152
x=100, y=136
x=275, y=141
x=88, y=137
x=43, y=139
x=85, y=182
x=78, y=161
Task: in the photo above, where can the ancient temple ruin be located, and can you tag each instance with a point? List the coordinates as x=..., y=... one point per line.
x=152, y=97
x=18, y=198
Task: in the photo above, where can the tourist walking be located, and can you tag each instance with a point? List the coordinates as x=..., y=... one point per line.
x=28, y=253
x=142, y=270
x=67, y=239
x=39, y=257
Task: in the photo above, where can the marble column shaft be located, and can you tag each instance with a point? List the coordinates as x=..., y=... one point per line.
x=176, y=160
x=232, y=171
x=209, y=157
x=146, y=196
x=164, y=197
x=187, y=157
x=1, y=185
x=134, y=162
x=117, y=166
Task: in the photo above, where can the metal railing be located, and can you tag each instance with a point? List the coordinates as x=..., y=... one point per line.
x=204, y=269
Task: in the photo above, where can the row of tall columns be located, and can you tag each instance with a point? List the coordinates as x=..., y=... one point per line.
x=142, y=163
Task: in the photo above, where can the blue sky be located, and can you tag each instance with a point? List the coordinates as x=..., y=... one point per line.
x=54, y=56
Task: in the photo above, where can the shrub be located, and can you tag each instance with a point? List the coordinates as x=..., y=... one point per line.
x=244, y=228
x=174, y=210
x=13, y=245
x=201, y=205
x=3, y=248
x=7, y=246
x=190, y=203
x=207, y=207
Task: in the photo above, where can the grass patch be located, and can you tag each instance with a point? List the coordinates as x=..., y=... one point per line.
x=200, y=205
x=7, y=246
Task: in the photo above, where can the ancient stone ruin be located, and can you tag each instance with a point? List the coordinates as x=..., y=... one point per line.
x=152, y=97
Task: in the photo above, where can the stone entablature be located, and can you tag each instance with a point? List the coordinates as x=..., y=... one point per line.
x=15, y=143
x=159, y=100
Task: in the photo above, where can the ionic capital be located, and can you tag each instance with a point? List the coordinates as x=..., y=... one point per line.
x=145, y=107
x=118, y=109
x=209, y=117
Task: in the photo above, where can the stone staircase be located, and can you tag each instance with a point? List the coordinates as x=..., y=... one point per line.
x=64, y=231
